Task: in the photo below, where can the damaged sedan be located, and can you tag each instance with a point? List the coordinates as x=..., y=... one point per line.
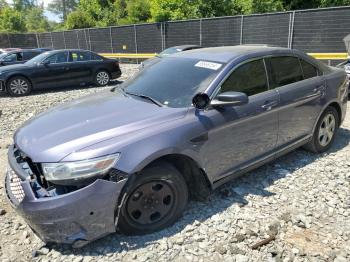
x=130, y=158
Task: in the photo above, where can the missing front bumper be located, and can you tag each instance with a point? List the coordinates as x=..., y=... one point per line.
x=78, y=217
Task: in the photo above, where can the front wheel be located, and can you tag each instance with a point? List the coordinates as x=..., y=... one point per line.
x=102, y=78
x=18, y=86
x=325, y=131
x=156, y=200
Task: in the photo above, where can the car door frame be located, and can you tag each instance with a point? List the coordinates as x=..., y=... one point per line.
x=261, y=159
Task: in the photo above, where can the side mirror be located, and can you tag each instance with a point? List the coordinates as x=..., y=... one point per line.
x=230, y=99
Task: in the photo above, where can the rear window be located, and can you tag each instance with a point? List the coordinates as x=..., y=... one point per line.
x=309, y=70
x=285, y=70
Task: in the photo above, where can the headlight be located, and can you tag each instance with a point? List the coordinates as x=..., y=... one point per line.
x=80, y=169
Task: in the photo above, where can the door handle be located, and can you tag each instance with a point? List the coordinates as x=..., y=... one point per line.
x=268, y=105
x=319, y=89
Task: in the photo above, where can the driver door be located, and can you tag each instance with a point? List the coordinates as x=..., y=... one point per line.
x=239, y=136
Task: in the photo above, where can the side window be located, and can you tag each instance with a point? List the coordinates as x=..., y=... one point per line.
x=96, y=57
x=29, y=55
x=79, y=56
x=11, y=58
x=58, y=58
x=309, y=70
x=249, y=78
x=285, y=70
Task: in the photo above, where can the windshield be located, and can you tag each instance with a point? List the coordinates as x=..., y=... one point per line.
x=37, y=59
x=173, y=81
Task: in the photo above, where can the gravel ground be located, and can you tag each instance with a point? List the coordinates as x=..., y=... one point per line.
x=300, y=202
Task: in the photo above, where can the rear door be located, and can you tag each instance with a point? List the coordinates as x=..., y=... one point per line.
x=81, y=65
x=301, y=88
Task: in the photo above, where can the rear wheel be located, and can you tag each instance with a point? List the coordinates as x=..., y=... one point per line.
x=18, y=86
x=102, y=78
x=155, y=200
x=325, y=131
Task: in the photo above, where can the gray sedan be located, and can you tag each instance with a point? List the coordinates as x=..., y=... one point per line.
x=130, y=158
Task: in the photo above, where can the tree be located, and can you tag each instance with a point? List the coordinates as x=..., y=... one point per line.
x=263, y=6
x=36, y=21
x=164, y=10
x=22, y=5
x=62, y=7
x=138, y=10
x=328, y=3
x=11, y=20
x=79, y=19
x=3, y=4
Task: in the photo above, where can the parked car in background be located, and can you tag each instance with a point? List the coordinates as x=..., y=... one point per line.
x=19, y=56
x=4, y=50
x=58, y=68
x=167, y=52
x=129, y=158
x=44, y=49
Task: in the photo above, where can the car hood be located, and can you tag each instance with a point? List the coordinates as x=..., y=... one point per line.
x=70, y=127
x=9, y=68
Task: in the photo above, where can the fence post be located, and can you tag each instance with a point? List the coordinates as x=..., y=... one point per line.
x=37, y=40
x=200, y=32
x=64, y=40
x=86, y=41
x=8, y=39
x=76, y=34
x=110, y=36
x=241, y=36
x=51, y=40
x=135, y=40
x=89, y=39
x=291, y=30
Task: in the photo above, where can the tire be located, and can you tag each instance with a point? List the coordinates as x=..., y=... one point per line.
x=18, y=86
x=325, y=132
x=155, y=200
x=102, y=78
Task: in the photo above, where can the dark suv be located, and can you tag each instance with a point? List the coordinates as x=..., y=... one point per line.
x=130, y=158
x=18, y=56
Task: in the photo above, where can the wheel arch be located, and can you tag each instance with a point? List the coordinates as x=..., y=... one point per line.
x=196, y=178
x=335, y=104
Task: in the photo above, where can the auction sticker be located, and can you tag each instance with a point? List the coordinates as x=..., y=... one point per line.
x=208, y=65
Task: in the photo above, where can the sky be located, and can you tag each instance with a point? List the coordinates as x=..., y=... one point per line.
x=51, y=16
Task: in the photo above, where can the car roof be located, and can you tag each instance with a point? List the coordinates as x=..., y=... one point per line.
x=183, y=47
x=226, y=54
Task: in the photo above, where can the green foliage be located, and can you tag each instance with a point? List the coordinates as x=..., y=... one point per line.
x=78, y=19
x=11, y=20
x=23, y=5
x=326, y=3
x=138, y=10
x=36, y=21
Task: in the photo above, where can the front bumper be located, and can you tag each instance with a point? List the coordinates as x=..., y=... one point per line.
x=75, y=218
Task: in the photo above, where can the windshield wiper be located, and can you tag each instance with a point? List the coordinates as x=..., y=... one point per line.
x=154, y=101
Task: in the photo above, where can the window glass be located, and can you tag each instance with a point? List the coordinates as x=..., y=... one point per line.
x=285, y=70
x=95, y=57
x=13, y=57
x=78, y=56
x=249, y=78
x=29, y=55
x=308, y=69
x=58, y=58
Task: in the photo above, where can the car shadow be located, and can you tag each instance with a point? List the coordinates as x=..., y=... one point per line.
x=232, y=193
x=39, y=91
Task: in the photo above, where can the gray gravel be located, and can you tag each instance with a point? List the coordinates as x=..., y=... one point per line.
x=301, y=200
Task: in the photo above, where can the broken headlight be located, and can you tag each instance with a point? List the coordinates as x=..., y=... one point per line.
x=79, y=169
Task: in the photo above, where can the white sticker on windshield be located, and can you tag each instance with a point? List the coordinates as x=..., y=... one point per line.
x=208, y=65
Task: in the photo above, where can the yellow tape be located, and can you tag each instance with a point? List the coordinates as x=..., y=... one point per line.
x=321, y=56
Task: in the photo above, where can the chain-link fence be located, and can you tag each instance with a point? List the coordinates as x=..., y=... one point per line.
x=316, y=30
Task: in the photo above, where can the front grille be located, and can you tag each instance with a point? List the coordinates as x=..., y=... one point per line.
x=15, y=187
